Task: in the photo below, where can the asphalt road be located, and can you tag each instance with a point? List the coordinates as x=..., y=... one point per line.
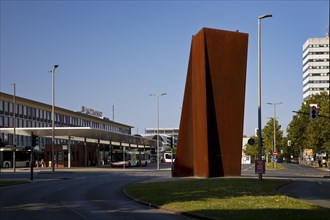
x=77, y=196
x=94, y=193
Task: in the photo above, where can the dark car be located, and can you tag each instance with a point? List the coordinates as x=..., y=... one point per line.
x=294, y=160
x=280, y=160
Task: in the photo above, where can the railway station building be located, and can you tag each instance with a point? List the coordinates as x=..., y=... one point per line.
x=82, y=138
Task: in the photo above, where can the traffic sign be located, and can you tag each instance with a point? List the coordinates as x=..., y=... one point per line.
x=259, y=166
x=251, y=141
x=275, y=153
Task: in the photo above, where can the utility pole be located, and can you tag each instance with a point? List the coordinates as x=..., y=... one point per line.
x=259, y=90
x=113, y=112
x=274, y=122
x=14, y=139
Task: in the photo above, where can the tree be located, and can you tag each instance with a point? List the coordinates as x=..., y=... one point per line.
x=268, y=136
x=296, y=130
x=306, y=133
x=252, y=150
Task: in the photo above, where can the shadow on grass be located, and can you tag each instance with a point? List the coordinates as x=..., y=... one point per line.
x=227, y=199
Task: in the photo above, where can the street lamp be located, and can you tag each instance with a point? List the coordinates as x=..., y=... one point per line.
x=161, y=94
x=14, y=139
x=274, y=149
x=259, y=88
x=53, y=116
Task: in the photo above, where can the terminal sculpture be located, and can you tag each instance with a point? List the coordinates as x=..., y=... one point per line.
x=211, y=126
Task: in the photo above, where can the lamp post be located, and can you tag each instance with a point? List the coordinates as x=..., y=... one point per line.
x=274, y=148
x=159, y=94
x=14, y=117
x=53, y=116
x=259, y=88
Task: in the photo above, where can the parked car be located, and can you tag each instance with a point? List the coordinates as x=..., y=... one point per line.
x=294, y=160
x=324, y=162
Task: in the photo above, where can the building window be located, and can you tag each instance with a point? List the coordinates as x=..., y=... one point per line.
x=33, y=113
x=6, y=122
x=6, y=107
x=24, y=111
x=11, y=110
x=1, y=121
x=20, y=110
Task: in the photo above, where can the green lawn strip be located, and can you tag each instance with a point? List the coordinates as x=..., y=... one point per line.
x=12, y=182
x=269, y=166
x=227, y=199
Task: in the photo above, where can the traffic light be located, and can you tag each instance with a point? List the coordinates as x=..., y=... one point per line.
x=170, y=141
x=35, y=140
x=313, y=111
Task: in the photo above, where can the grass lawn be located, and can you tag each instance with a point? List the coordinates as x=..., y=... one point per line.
x=269, y=166
x=223, y=198
x=12, y=182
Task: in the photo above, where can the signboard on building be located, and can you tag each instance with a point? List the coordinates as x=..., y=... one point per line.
x=90, y=111
x=308, y=152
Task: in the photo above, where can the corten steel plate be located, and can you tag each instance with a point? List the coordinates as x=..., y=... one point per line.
x=211, y=126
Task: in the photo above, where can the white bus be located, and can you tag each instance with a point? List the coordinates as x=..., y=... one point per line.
x=130, y=158
x=168, y=158
x=22, y=157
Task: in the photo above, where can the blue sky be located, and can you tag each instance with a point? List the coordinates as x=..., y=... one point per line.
x=118, y=52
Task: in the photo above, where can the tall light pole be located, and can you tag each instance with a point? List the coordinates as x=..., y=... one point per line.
x=259, y=88
x=274, y=148
x=53, y=116
x=159, y=94
x=14, y=117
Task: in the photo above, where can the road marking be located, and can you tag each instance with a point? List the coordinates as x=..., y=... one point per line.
x=249, y=168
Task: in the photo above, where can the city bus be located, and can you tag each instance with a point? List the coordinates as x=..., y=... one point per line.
x=168, y=158
x=22, y=157
x=130, y=158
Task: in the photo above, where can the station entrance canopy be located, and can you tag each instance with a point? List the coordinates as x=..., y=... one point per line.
x=84, y=134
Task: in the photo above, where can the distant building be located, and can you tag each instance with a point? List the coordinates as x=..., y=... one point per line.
x=164, y=134
x=246, y=159
x=173, y=132
x=315, y=66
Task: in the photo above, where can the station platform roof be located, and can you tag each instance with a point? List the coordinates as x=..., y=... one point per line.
x=86, y=134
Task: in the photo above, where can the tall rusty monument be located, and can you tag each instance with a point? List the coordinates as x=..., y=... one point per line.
x=211, y=126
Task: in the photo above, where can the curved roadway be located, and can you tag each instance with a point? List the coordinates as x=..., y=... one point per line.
x=78, y=196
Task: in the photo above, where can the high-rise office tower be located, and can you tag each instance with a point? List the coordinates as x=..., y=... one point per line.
x=315, y=66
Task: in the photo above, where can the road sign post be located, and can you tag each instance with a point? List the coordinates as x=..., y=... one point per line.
x=260, y=166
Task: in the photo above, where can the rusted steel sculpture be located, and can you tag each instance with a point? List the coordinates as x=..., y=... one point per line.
x=211, y=126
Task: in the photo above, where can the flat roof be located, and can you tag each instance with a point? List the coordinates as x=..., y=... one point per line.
x=81, y=134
